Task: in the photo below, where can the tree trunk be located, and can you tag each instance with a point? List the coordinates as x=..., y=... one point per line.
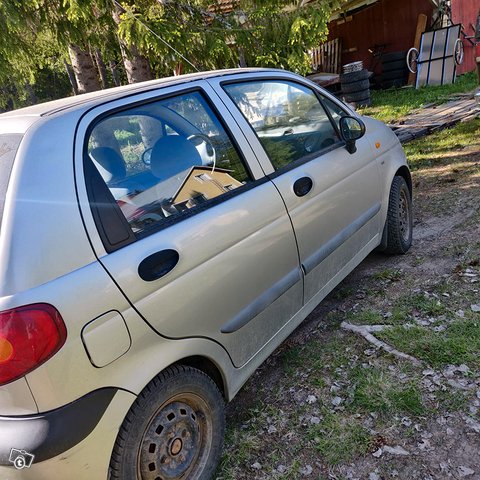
x=102, y=69
x=136, y=65
x=242, y=63
x=84, y=69
x=32, y=97
x=178, y=70
x=71, y=77
x=114, y=72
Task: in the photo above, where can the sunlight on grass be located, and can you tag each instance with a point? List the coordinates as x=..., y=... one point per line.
x=390, y=105
x=459, y=343
x=438, y=148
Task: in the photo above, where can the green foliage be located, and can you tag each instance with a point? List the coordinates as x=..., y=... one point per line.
x=35, y=34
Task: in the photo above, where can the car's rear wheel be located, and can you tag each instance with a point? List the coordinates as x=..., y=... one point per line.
x=399, y=226
x=174, y=430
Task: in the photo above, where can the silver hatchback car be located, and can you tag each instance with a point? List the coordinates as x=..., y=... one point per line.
x=157, y=242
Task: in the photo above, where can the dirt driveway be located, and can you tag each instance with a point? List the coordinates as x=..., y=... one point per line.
x=330, y=405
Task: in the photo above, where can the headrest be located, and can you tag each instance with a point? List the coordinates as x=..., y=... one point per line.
x=171, y=155
x=109, y=163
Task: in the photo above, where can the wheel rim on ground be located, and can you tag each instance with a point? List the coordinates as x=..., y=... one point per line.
x=412, y=60
x=404, y=216
x=177, y=441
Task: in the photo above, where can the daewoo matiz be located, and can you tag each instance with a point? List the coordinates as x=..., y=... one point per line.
x=158, y=241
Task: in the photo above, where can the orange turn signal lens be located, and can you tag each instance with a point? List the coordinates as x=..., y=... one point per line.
x=378, y=144
x=6, y=350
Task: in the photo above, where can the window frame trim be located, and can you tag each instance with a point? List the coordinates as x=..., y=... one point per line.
x=104, y=213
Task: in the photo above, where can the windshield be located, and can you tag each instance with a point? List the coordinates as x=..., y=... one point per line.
x=8, y=148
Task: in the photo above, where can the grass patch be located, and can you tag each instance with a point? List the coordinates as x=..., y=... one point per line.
x=451, y=400
x=393, y=104
x=459, y=343
x=420, y=303
x=443, y=147
x=398, y=315
x=377, y=391
x=246, y=445
x=339, y=439
x=389, y=275
x=365, y=317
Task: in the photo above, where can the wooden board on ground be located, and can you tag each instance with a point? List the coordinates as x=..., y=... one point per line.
x=434, y=118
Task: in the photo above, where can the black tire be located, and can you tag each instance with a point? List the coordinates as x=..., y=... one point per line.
x=357, y=96
x=174, y=429
x=364, y=102
x=399, y=74
x=399, y=225
x=394, y=56
x=396, y=65
x=359, y=86
x=353, y=77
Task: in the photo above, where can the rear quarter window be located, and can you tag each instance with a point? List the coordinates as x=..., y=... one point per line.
x=8, y=148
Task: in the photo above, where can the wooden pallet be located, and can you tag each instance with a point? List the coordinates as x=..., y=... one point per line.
x=327, y=57
x=436, y=117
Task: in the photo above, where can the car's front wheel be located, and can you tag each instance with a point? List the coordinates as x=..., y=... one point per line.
x=174, y=430
x=399, y=226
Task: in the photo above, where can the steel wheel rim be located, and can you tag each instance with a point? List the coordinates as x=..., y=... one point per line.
x=177, y=441
x=404, y=216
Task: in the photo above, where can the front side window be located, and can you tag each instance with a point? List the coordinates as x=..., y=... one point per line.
x=165, y=158
x=334, y=109
x=288, y=118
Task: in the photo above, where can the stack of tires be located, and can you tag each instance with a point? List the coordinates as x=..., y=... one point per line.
x=394, y=69
x=356, y=87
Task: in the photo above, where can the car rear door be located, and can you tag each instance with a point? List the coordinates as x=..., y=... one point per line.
x=333, y=197
x=189, y=228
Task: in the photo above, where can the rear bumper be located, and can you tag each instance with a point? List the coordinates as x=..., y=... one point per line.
x=52, y=433
x=74, y=441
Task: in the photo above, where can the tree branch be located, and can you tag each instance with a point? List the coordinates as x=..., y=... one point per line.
x=364, y=331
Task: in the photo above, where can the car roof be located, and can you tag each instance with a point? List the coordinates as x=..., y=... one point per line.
x=94, y=98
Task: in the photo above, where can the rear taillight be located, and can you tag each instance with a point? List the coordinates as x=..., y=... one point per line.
x=29, y=336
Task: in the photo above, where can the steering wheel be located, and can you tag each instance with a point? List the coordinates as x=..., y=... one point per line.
x=205, y=148
x=146, y=156
x=312, y=142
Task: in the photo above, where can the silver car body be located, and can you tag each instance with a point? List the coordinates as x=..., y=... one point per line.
x=251, y=268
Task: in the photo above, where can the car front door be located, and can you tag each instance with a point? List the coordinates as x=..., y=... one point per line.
x=188, y=225
x=332, y=196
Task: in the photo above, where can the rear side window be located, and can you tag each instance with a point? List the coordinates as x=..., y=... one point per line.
x=287, y=117
x=8, y=148
x=165, y=160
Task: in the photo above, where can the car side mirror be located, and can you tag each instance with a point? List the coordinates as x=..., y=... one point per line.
x=351, y=130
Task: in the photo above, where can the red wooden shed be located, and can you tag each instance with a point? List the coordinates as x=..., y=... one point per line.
x=368, y=28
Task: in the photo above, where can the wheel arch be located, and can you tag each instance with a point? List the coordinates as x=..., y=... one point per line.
x=207, y=366
x=404, y=172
